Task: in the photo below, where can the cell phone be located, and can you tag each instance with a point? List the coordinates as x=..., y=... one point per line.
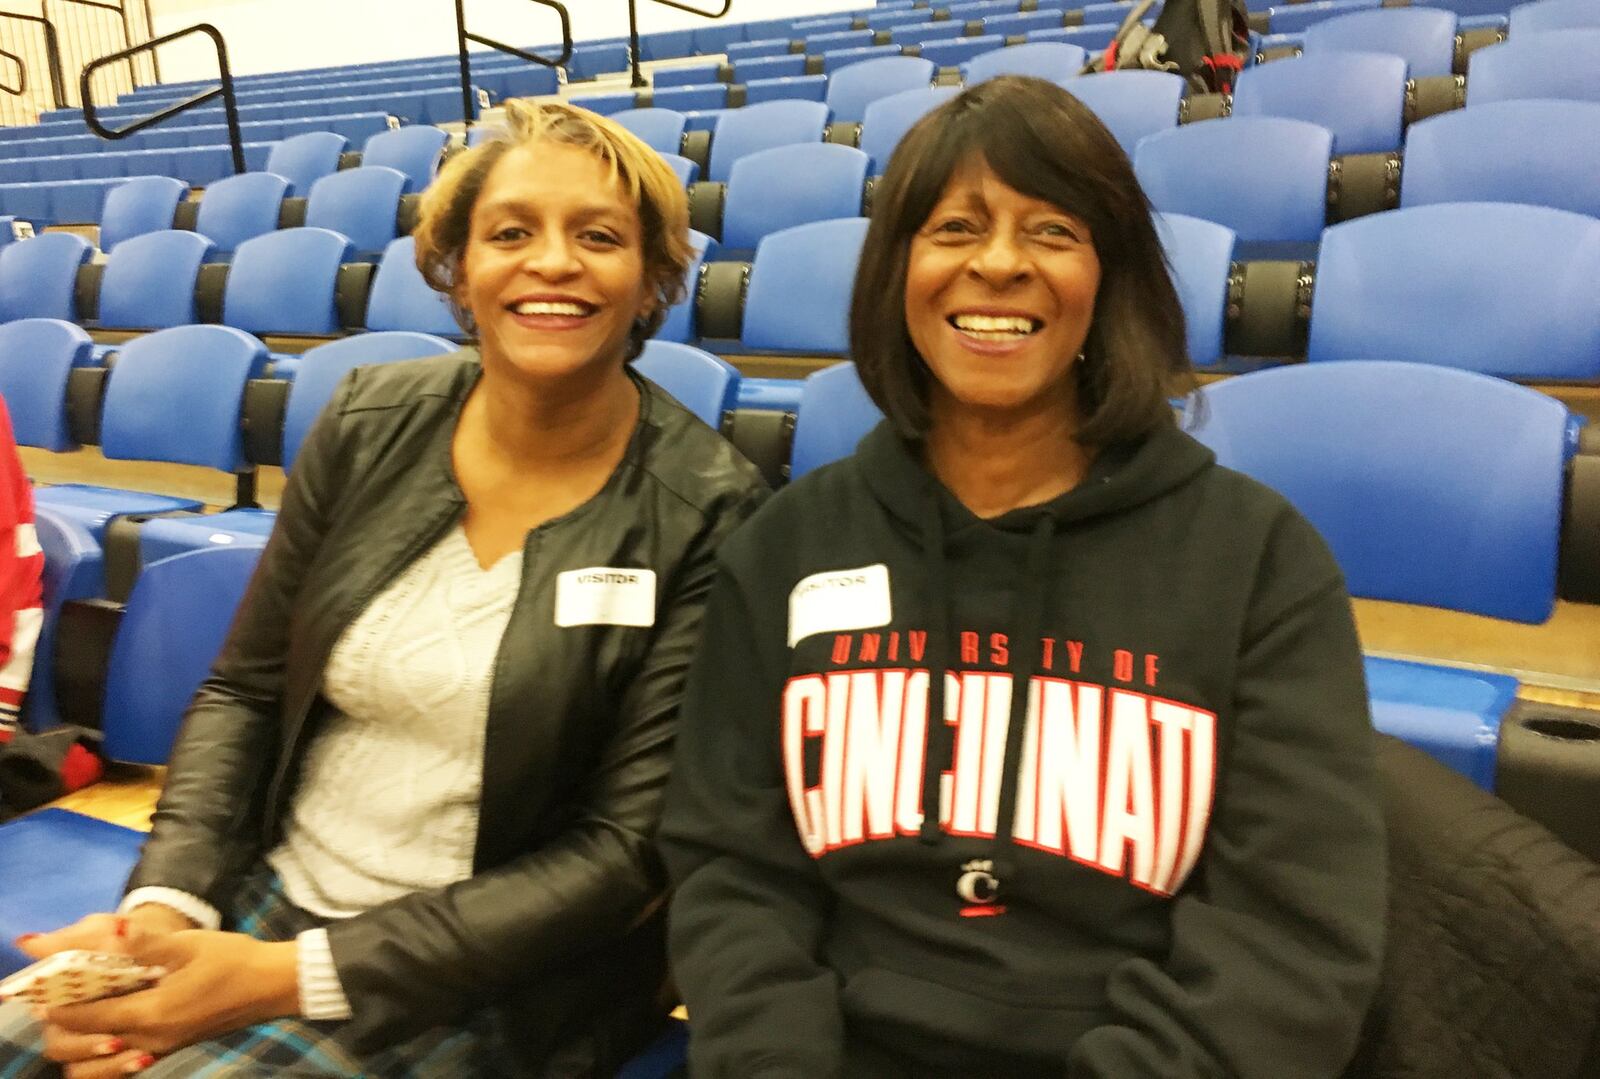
x=77, y=976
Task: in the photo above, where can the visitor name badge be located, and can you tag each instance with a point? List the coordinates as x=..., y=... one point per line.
x=606, y=596
x=839, y=600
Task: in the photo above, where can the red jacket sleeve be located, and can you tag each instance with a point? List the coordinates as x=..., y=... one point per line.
x=21, y=575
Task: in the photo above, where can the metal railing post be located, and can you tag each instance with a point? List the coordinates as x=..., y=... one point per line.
x=463, y=35
x=52, y=54
x=633, y=30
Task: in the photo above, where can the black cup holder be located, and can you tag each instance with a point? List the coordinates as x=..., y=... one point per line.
x=1562, y=729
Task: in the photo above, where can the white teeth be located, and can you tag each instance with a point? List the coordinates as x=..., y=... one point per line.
x=574, y=309
x=994, y=325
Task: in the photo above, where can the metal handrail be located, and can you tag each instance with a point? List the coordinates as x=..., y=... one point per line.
x=52, y=53
x=230, y=103
x=633, y=29
x=127, y=32
x=463, y=35
x=22, y=75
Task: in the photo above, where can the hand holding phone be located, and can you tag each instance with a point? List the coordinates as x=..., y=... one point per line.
x=77, y=976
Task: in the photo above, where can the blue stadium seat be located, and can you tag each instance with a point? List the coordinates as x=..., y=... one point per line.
x=145, y=204
x=740, y=132
x=842, y=58
x=36, y=896
x=660, y=129
x=957, y=51
x=1546, y=15
x=704, y=384
x=1294, y=18
x=414, y=151
x=713, y=95
x=1424, y=37
x=605, y=104
x=835, y=413
x=790, y=185
x=688, y=75
x=798, y=298
x=1496, y=288
x=39, y=276
x=36, y=356
x=1544, y=153
x=679, y=324
x=1021, y=22
x=479, y=134
x=241, y=208
x=688, y=171
x=1359, y=96
x=322, y=367
x=1131, y=104
x=305, y=159
x=1200, y=254
x=1562, y=64
x=175, y=623
x=74, y=568
x=887, y=120
x=853, y=87
x=174, y=396
x=149, y=281
x=789, y=88
x=1052, y=61
x=1389, y=461
x=283, y=282
x=362, y=204
x=768, y=67
x=1263, y=177
x=401, y=300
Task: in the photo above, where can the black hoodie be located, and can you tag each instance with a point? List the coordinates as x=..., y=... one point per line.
x=1164, y=860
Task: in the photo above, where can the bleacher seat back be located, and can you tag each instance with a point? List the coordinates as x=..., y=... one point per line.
x=149, y=280
x=414, y=151
x=322, y=367
x=283, y=282
x=835, y=413
x=361, y=204
x=305, y=159
x=1359, y=96
x=36, y=357
x=1547, y=15
x=482, y=133
x=706, y=385
x=141, y=205
x=241, y=208
x=853, y=87
x=401, y=300
x=74, y=568
x=37, y=895
x=1200, y=255
x=660, y=129
x=39, y=276
x=175, y=623
x=1498, y=288
x=886, y=120
x=175, y=395
x=687, y=171
x=1562, y=64
x=1132, y=103
x=1422, y=36
x=741, y=132
x=1052, y=61
x=1197, y=169
x=791, y=185
x=801, y=282
x=1539, y=152
x=1432, y=486
x=679, y=324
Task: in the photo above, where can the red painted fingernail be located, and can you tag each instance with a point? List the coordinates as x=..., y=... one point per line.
x=111, y=1046
x=141, y=1064
x=122, y=927
x=27, y=937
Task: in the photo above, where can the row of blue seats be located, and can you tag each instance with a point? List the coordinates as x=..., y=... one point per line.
x=301, y=161
x=357, y=128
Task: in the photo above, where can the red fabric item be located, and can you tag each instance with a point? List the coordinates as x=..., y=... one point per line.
x=21, y=577
x=79, y=769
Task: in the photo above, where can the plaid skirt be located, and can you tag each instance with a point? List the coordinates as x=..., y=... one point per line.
x=287, y=1048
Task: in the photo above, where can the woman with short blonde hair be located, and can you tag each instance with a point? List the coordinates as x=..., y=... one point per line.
x=419, y=788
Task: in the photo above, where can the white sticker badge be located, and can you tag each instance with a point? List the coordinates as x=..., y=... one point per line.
x=839, y=600
x=606, y=596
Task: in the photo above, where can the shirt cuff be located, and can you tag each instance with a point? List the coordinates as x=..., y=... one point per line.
x=192, y=907
x=321, y=993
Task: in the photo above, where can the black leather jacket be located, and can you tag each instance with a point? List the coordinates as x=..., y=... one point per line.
x=557, y=922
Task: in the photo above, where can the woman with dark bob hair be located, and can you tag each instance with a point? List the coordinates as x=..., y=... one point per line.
x=406, y=828
x=1027, y=741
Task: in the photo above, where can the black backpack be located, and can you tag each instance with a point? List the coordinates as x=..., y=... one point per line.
x=1205, y=41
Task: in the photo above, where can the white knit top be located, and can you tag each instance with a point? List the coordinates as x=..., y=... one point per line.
x=387, y=803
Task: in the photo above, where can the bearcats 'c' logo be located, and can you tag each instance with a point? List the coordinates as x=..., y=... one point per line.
x=979, y=887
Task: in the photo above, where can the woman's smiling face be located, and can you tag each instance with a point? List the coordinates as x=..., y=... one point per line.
x=1000, y=293
x=553, y=269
